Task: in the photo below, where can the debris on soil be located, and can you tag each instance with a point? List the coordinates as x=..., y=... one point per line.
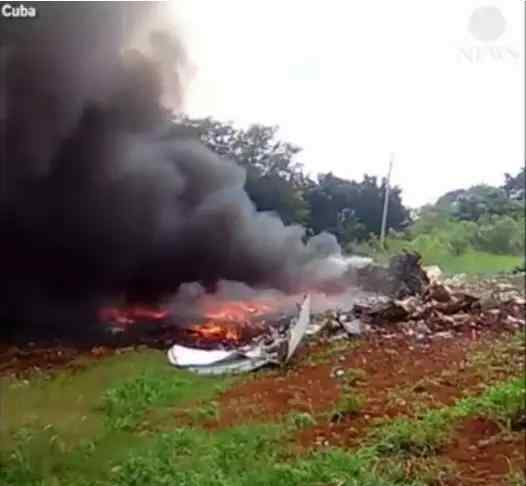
x=266, y=349
x=404, y=276
x=434, y=273
x=413, y=304
x=438, y=311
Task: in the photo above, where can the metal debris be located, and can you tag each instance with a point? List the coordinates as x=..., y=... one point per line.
x=404, y=276
x=299, y=328
x=272, y=349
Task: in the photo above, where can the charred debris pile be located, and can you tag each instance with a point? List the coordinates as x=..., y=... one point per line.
x=424, y=307
x=409, y=302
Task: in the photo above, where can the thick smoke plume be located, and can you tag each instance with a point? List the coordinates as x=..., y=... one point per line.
x=103, y=196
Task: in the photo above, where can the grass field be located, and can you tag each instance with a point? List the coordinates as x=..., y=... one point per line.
x=475, y=262
x=132, y=420
x=471, y=262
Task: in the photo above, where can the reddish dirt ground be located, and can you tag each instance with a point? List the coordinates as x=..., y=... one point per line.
x=394, y=373
x=482, y=454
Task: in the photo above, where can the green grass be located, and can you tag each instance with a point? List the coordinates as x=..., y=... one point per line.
x=78, y=438
x=242, y=456
x=504, y=402
x=475, y=262
x=125, y=403
x=115, y=391
x=300, y=420
x=471, y=262
x=516, y=478
x=349, y=405
x=81, y=420
x=258, y=455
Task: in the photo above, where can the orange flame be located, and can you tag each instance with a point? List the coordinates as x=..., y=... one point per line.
x=130, y=315
x=229, y=321
x=235, y=310
x=225, y=321
x=212, y=331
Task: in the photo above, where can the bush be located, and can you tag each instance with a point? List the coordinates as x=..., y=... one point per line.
x=501, y=235
x=461, y=236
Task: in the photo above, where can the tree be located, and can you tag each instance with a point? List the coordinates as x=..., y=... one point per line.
x=515, y=186
x=275, y=181
x=484, y=200
x=353, y=210
x=503, y=235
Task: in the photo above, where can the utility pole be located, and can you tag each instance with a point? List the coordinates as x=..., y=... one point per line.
x=386, y=201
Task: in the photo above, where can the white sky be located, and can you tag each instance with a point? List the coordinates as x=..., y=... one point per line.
x=352, y=81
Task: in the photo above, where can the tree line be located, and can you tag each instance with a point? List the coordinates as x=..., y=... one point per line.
x=484, y=217
x=276, y=181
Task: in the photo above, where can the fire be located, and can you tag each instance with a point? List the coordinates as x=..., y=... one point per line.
x=233, y=311
x=212, y=331
x=229, y=321
x=130, y=315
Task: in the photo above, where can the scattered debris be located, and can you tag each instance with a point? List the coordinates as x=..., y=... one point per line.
x=441, y=312
x=434, y=273
x=438, y=310
x=416, y=303
x=298, y=328
x=273, y=348
x=403, y=278
x=218, y=362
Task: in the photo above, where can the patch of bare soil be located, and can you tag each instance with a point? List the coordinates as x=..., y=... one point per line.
x=395, y=376
x=36, y=358
x=482, y=454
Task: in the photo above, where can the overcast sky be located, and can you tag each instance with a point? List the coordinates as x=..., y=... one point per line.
x=440, y=84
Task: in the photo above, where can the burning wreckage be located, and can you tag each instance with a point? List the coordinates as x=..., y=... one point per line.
x=407, y=301
x=274, y=347
x=402, y=298
x=222, y=336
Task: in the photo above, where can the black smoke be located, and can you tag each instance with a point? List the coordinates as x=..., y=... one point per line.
x=102, y=195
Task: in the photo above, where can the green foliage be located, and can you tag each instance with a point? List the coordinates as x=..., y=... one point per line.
x=478, y=201
x=238, y=456
x=353, y=210
x=515, y=186
x=58, y=426
x=516, y=478
x=417, y=438
x=500, y=235
x=275, y=180
x=350, y=404
x=205, y=412
x=461, y=237
x=300, y=420
x=505, y=402
x=461, y=246
x=53, y=396
x=125, y=403
x=425, y=435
